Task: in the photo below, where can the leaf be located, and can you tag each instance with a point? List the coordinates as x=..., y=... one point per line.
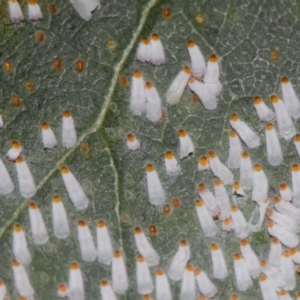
x=243, y=36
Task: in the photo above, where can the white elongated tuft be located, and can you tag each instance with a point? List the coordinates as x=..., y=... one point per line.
x=285, y=192
x=104, y=246
x=143, y=53
x=227, y=224
x=137, y=94
x=219, y=265
x=34, y=11
x=74, y=189
x=238, y=190
x=250, y=258
x=119, y=274
x=3, y=290
x=20, y=248
x=188, y=284
x=21, y=279
x=153, y=103
x=179, y=261
x=205, y=285
x=162, y=286
x=206, y=221
x=273, y=273
x=48, y=138
x=219, y=169
x=296, y=184
x=208, y=100
x=86, y=8
x=76, y=285
x=1, y=118
x=157, y=52
x=62, y=290
x=222, y=199
x=37, y=224
x=288, y=270
x=297, y=143
x=6, y=184
x=59, y=218
x=246, y=171
x=26, y=183
x=133, y=143
x=106, y=291
x=274, y=152
x=242, y=275
x=15, y=151
x=240, y=225
x=235, y=150
x=15, y=11
x=212, y=74
x=287, y=209
x=264, y=113
x=285, y=124
x=156, y=193
x=260, y=184
x=290, y=98
x=86, y=242
x=203, y=164
x=171, y=163
x=143, y=276
x=267, y=289
x=145, y=248
x=186, y=146
x=275, y=253
x=262, y=206
x=178, y=85
x=247, y=135
x=284, y=295
x=295, y=255
x=209, y=200
x=69, y=136
x=197, y=60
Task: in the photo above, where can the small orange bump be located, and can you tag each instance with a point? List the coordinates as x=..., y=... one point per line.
x=295, y=168
x=287, y=253
x=18, y=227
x=74, y=265
x=213, y=58
x=233, y=133
x=237, y=256
x=163, y=115
x=140, y=258
x=32, y=205
x=283, y=186
x=297, y=137
x=154, y=37
x=227, y=221
x=201, y=187
x=191, y=80
x=285, y=79
x=183, y=243
x=62, y=287
x=80, y=65
x=263, y=263
x=269, y=212
x=1, y=284
x=257, y=168
x=29, y=85
x=270, y=223
x=245, y=154
x=123, y=80
x=176, y=202
x=138, y=230
x=293, y=251
x=197, y=271
x=40, y=36
x=169, y=155
x=262, y=277
x=187, y=70
x=244, y=242
x=211, y=154
x=276, y=199
x=7, y=65
x=148, y=85
x=282, y=292
x=217, y=182
x=191, y=43
x=101, y=224
x=199, y=18
x=274, y=99
x=202, y=297
x=32, y=2
x=275, y=241
x=15, y=100
x=81, y=223
x=149, y=168
x=257, y=100
x=52, y=8
x=67, y=114
x=137, y=74
x=203, y=161
x=144, y=40
x=111, y=45
x=147, y=297
x=269, y=126
x=189, y=268
x=56, y=199
x=152, y=229
x=130, y=137
x=159, y=272
x=15, y=144
x=19, y=160
x=167, y=209
x=274, y=55
x=117, y=254
x=234, y=208
x=236, y=185
x=64, y=170
x=234, y=297
x=15, y=263
x=181, y=133
x=234, y=117
x=166, y=12
x=45, y=126
x=214, y=247
x=199, y=203
x=104, y=282
x=57, y=64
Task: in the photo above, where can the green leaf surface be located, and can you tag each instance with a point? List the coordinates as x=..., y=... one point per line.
x=242, y=33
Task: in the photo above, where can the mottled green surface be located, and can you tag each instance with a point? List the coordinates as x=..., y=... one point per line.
x=241, y=33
